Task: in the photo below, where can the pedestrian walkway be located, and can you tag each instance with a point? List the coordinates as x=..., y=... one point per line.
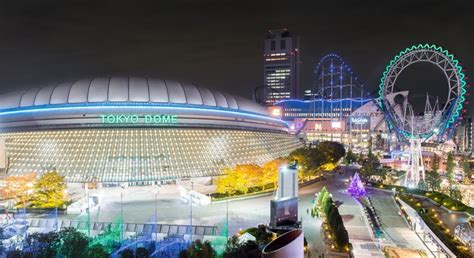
x=396, y=229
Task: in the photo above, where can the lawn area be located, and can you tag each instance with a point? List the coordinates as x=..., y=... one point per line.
x=436, y=225
x=438, y=197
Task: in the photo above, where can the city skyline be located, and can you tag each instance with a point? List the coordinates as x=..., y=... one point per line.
x=56, y=42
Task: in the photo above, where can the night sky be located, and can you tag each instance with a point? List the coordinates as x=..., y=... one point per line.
x=218, y=44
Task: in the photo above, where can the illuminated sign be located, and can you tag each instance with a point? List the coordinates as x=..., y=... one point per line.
x=139, y=119
x=336, y=124
x=318, y=127
x=359, y=120
x=292, y=126
x=275, y=111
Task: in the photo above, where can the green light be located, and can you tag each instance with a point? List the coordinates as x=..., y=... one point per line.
x=453, y=61
x=139, y=119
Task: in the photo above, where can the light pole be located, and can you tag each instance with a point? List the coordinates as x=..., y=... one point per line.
x=157, y=189
x=227, y=218
x=191, y=209
x=88, y=211
x=121, y=212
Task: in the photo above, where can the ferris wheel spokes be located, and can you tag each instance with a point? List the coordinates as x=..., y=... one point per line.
x=437, y=119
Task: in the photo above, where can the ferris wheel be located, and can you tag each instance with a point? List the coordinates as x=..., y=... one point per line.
x=436, y=119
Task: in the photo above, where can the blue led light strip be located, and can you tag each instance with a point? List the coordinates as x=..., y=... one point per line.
x=325, y=100
x=71, y=107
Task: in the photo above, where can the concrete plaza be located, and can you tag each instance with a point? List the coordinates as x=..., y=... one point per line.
x=142, y=205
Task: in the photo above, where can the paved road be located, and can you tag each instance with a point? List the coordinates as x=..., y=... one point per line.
x=396, y=228
x=353, y=216
x=139, y=206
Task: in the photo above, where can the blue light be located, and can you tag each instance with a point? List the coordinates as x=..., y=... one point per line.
x=325, y=100
x=72, y=107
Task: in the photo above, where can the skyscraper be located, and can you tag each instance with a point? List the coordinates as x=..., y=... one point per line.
x=463, y=134
x=281, y=66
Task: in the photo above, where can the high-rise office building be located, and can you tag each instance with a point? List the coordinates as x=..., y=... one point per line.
x=309, y=94
x=281, y=66
x=463, y=135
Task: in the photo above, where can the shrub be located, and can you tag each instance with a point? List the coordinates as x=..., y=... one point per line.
x=127, y=253
x=199, y=249
x=97, y=251
x=141, y=252
x=342, y=237
x=73, y=243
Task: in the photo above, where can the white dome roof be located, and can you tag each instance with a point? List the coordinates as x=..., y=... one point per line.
x=126, y=89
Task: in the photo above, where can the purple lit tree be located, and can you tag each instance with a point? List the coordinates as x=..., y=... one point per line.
x=356, y=188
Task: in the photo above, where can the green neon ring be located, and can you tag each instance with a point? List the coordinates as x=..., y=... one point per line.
x=458, y=71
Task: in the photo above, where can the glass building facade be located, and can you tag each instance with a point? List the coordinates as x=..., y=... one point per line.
x=281, y=66
x=349, y=121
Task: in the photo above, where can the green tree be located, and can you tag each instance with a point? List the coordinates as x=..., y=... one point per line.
x=327, y=205
x=128, y=253
x=49, y=191
x=334, y=217
x=342, y=237
x=142, y=252
x=73, y=243
x=321, y=195
x=350, y=157
x=450, y=168
x=422, y=185
x=97, y=251
x=372, y=158
x=367, y=169
x=466, y=167
x=199, y=249
x=433, y=181
x=435, y=165
x=455, y=193
x=312, y=159
x=302, y=156
x=382, y=172
x=44, y=245
x=249, y=249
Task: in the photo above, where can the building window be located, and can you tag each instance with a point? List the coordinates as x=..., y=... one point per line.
x=272, y=45
x=282, y=44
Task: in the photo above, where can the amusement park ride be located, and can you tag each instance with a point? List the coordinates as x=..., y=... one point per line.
x=436, y=123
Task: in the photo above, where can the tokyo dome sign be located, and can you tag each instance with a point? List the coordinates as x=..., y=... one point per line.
x=139, y=119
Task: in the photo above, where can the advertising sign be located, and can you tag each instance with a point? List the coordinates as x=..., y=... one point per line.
x=139, y=119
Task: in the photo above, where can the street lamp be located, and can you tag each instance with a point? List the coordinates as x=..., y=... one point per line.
x=191, y=208
x=88, y=211
x=121, y=212
x=157, y=190
x=227, y=217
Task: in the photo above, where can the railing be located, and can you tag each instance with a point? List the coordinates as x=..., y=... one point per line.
x=168, y=229
x=420, y=226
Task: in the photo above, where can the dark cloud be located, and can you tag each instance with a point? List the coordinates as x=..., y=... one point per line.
x=218, y=44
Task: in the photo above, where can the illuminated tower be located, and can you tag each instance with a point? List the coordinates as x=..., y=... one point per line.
x=281, y=60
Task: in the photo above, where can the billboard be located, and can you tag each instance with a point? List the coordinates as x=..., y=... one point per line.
x=284, y=212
